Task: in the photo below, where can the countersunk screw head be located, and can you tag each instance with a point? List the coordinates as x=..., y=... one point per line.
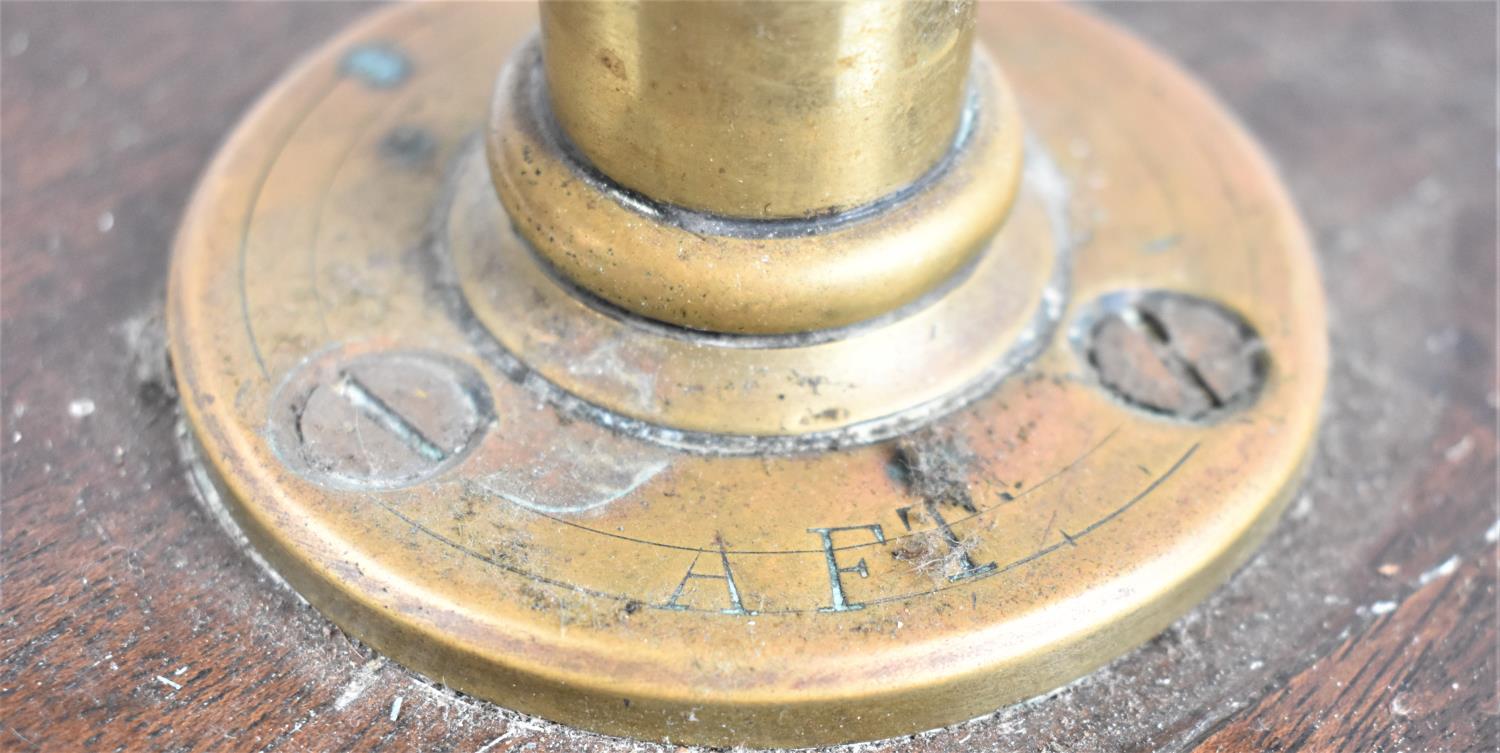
x=378, y=420
x=1173, y=354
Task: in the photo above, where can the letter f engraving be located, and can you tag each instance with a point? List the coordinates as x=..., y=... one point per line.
x=835, y=573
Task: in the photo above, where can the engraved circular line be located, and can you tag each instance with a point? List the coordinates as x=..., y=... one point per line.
x=1038, y=554
x=294, y=129
x=380, y=115
x=954, y=522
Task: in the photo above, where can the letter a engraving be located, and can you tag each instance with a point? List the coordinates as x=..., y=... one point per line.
x=835, y=573
x=735, y=605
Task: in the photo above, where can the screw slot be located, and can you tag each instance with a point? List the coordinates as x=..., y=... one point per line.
x=1173, y=354
x=378, y=420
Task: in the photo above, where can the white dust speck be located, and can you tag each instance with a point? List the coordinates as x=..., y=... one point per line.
x=1442, y=341
x=1398, y=707
x=106, y=221
x=1459, y=450
x=396, y=708
x=1430, y=191
x=1493, y=534
x=1382, y=607
x=81, y=408
x=182, y=670
x=168, y=683
x=126, y=136
x=17, y=44
x=1302, y=508
x=1440, y=571
x=494, y=742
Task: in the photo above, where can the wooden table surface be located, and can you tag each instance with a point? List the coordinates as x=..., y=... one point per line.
x=1367, y=622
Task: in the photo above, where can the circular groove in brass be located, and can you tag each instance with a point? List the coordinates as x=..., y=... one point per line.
x=699, y=222
x=751, y=341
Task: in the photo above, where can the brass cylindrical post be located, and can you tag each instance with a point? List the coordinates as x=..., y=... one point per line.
x=759, y=109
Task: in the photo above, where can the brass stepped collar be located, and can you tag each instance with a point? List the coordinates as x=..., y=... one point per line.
x=752, y=276
x=756, y=168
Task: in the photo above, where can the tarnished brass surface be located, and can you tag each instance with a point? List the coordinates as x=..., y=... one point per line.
x=988, y=319
x=569, y=563
x=743, y=278
x=760, y=109
x=810, y=390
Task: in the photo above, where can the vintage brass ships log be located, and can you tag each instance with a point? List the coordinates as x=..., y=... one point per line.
x=747, y=372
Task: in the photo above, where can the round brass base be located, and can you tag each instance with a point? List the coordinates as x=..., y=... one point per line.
x=460, y=502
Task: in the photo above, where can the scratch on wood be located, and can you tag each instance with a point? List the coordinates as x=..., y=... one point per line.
x=357, y=686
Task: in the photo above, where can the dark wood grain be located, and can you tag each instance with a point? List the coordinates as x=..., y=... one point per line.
x=130, y=621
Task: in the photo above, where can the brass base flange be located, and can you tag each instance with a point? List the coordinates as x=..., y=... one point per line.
x=446, y=487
